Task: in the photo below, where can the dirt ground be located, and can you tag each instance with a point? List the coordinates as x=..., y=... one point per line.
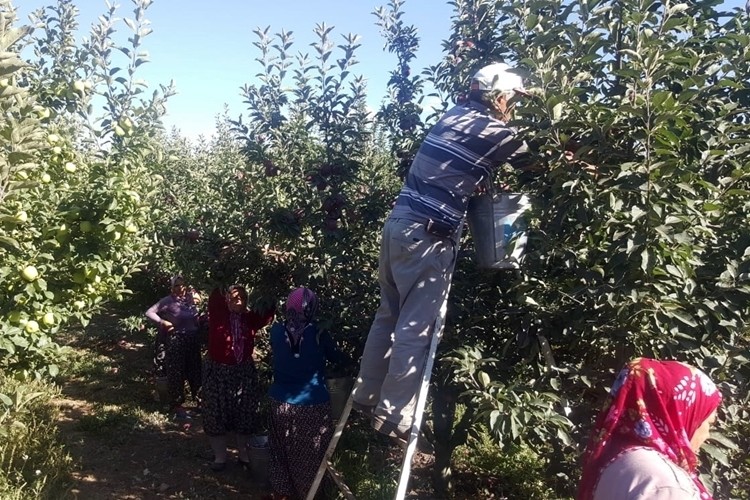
x=123, y=442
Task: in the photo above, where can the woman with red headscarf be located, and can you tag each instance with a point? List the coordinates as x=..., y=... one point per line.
x=300, y=424
x=645, y=441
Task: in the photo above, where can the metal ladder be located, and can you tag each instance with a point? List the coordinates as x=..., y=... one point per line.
x=403, y=482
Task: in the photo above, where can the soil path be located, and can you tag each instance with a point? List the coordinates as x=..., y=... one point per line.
x=126, y=446
x=123, y=443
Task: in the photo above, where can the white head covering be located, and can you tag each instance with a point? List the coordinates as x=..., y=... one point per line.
x=496, y=76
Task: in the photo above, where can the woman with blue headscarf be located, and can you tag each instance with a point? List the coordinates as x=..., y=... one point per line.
x=300, y=425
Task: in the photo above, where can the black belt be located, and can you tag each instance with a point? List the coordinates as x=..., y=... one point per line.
x=435, y=227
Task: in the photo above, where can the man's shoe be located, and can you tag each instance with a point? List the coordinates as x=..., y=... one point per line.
x=390, y=429
x=400, y=435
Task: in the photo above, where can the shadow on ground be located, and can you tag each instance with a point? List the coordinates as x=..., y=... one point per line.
x=124, y=444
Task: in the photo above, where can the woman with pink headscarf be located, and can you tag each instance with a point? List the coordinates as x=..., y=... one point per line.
x=301, y=425
x=645, y=441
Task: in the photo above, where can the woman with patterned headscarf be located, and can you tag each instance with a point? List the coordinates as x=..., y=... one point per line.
x=645, y=441
x=230, y=380
x=300, y=424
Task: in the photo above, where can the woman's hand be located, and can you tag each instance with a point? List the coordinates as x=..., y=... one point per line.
x=167, y=326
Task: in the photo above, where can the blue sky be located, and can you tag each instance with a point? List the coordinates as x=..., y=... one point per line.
x=206, y=47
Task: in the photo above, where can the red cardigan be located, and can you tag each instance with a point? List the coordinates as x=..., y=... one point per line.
x=219, y=333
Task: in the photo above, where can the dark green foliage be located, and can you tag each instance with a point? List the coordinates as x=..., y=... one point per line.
x=640, y=233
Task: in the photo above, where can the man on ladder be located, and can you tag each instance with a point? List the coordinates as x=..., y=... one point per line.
x=420, y=242
x=419, y=248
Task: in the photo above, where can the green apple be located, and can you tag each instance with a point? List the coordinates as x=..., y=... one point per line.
x=70, y=167
x=79, y=304
x=57, y=150
x=62, y=233
x=42, y=112
x=46, y=178
x=72, y=214
x=131, y=228
x=22, y=217
x=85, y=226
x=31, y=326
x=53, y=138
x=29, y=273
x=16, y=317
x=119, y=131
x=48, y=319
x=79, y=86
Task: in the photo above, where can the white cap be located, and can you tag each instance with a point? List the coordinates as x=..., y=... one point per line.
x=496, y=76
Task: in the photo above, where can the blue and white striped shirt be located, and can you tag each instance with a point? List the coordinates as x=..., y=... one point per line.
x=459, y=153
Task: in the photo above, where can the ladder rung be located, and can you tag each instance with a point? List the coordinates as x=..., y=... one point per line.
x=336, y=476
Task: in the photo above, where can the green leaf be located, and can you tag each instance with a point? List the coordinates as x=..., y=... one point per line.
x=636, y=213
x=674, y=271
x=723, y=440
x=494, y=415
x=683, y=317
x=9, y=243
x=564, y=437
x=529, y=301
x=716, y=453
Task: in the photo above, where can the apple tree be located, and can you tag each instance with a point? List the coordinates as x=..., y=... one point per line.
x=638, y=236
x=292, y=193
x=78, y=136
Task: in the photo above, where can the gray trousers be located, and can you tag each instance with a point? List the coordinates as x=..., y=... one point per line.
x=414, y=273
